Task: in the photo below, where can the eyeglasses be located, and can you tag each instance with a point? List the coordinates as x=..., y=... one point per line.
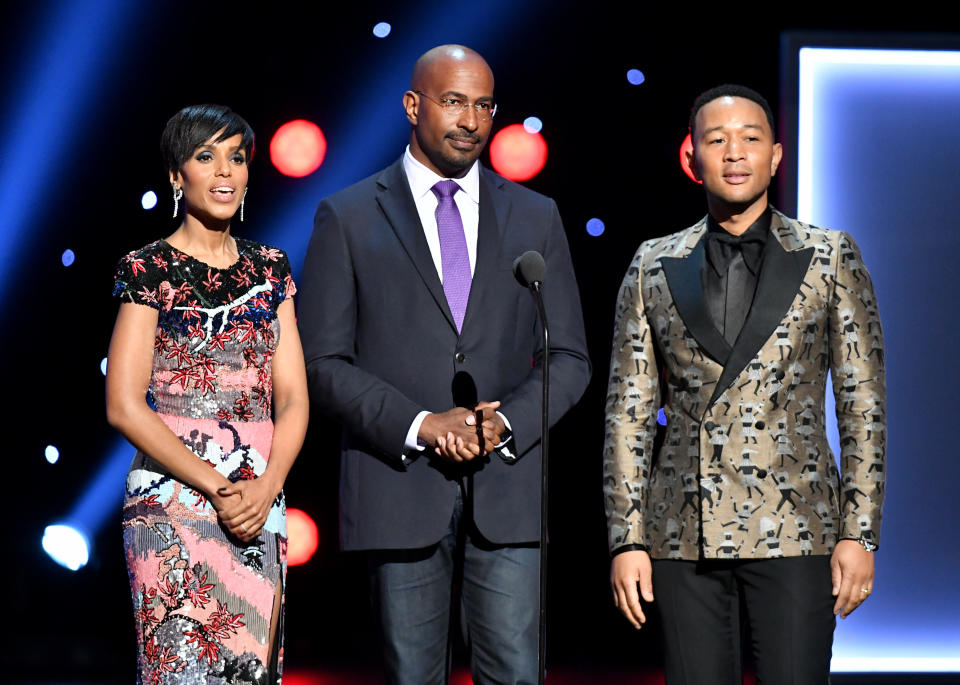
x=453, y=106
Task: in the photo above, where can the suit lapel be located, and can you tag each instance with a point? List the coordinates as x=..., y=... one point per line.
x=780, y=278
x=494, y=209
x=396, y=201
x=685, y=283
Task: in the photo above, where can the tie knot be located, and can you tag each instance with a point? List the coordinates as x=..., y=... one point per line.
x=445, y=189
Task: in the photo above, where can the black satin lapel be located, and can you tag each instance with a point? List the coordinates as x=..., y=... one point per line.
x=780, y=278
x=493, y=209
x=397, y=203
x=684, y=280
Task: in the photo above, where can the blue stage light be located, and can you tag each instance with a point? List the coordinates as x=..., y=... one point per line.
x=66, y=545
x=67, y=60
x=52, y=454
x=103, y=366
x=68, y=257
x=661, y=417
x=532, y=124
x=149, y=200
x=595, y=227
x=635, y=77
x=103, y=495
x=382, y=30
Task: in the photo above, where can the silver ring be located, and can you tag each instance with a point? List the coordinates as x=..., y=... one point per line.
x=865, y=591
x=245, y=530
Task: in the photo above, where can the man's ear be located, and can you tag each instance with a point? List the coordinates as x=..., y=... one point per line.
x=777, y=156
x=692, y=164
x=411, y=105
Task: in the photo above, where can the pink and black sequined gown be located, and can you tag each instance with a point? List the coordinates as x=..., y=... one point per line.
x=203, y=600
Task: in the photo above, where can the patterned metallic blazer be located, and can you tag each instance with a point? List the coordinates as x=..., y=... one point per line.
x=742, y=468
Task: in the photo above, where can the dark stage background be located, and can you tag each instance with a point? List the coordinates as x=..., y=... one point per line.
x=88, y=87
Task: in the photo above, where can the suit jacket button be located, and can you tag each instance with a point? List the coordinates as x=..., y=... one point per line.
x=709, y=425
x=761, y=474
x=460, y=357
x=760, y=425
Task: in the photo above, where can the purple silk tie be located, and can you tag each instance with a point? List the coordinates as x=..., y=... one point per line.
x=454, y=258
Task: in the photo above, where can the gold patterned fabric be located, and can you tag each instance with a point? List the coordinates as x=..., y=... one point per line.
x=742, y=468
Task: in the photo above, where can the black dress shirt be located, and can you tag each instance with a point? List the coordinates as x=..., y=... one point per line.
x=730, y=273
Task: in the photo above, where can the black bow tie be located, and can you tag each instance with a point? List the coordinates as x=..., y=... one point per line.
x=722, y=247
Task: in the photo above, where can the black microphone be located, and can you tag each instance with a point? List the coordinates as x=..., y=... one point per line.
x=529, y=269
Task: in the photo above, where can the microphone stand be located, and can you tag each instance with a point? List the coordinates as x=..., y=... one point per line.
x=544, y=452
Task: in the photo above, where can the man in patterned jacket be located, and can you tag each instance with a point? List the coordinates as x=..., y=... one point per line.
x=758, y=308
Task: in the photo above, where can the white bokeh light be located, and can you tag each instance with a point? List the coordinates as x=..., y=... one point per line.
x=67, y=546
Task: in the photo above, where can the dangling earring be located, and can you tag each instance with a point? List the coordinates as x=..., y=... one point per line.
x=242, y=200
x=177, y=194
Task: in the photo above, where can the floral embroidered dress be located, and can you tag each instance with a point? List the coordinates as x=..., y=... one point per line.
x=202, y=599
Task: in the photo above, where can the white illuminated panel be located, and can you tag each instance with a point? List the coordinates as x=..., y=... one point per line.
x=817, y=64
x=876, y=156
x=861, y=664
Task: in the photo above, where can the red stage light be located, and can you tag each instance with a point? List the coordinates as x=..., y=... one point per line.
x=686, y=147
x=518, y=154
x=298, y=148
x=302, y=537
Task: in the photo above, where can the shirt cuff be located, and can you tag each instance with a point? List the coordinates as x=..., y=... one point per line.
x=412, y=442
x=502, y=448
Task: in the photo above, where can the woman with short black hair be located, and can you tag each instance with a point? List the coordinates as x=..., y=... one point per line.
x=206, y=378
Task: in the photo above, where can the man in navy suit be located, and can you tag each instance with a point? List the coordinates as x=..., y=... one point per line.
x=421, y=344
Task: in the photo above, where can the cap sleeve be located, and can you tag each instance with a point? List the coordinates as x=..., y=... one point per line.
x=131, y=281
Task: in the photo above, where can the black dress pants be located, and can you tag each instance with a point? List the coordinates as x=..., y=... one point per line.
x=789, y=612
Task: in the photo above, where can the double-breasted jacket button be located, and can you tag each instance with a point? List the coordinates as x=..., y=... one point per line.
x=460, y=357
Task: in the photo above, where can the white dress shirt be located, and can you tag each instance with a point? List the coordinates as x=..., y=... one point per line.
x=422, y=180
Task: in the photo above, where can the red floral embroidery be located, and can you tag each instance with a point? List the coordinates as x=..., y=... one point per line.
x=219, y=340
x=213, y=280
x=170, y=592
x=147, y=295
x=197, y=589
x=136, y=265
x=209, y=649
x=179, y=352
x=191, y=311
x=162, y=341
x=181, y=292
x=242, y=278
x=268, y=274
x=270, y=253
x=145, y=614
x=184, y=377
x=241, y=407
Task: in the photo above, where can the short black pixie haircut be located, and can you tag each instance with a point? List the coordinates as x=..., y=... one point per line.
x=192, y=126
x=736, y=91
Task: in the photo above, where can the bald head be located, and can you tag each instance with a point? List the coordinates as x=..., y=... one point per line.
x=442, y=58
x=450, y=109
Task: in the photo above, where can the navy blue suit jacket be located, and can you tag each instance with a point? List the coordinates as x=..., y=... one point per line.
x=381, y=345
